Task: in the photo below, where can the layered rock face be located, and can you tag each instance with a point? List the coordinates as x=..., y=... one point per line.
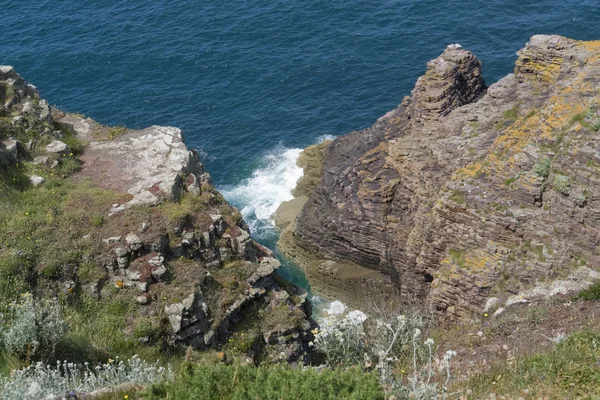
x=154, y=231
x=463, y=193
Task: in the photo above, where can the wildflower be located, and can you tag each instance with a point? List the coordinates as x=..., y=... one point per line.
x=417, y=333
x=315, y=331
x=125, y=397
x=110, y=361
x=429, y=342
x=449, y=354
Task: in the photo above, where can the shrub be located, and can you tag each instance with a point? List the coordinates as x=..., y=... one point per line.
x=202, y=382
x=385, y=343
x=32, y=328
x=542, y=167
x=40, y=380
x=562, y=184
x=596, y=125
x=341, y=342
x=589, y=294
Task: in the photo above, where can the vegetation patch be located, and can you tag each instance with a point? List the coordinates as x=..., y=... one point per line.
x=570, y=370
x=562, y=184
x=116, y=131
x=589, y=294
x=201, y=382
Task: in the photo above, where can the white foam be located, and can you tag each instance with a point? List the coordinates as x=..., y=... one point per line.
x=323, y=138
x=268, y=187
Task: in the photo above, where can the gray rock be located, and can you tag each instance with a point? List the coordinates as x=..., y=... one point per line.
x=133, y=241
x=9, y=152
x=121, y=251
x=492, y=304
x=159, y=273
x=499, y=311
x=7, y=72
x=149, y=164
x=133, y=275
x=175, y=312
x=157, y=261
x=57, y=147
x=111, y=240
x=40, y=160
x=516, y=299
x=143, y=300
x=143, y=286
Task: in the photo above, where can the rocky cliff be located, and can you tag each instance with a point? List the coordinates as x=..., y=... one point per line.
x=464, y=193
x=130, y=220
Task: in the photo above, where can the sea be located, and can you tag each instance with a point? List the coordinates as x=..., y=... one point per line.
x=252, y=82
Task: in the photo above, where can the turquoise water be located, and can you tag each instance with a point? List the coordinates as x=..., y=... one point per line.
x=252, y=81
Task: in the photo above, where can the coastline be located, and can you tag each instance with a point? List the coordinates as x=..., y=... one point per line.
x=329, y=277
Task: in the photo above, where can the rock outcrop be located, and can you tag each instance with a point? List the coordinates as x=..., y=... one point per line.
x=22, y=111
x=151, y=165
x=151, y=231
x=464, y=193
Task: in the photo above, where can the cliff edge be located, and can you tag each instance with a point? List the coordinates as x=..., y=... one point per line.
x=466, y=196
x=126, y=228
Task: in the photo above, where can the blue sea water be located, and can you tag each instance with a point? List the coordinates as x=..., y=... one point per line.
x=251, y=82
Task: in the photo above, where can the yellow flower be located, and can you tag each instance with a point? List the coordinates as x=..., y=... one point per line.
x=485, y=315
x=110, y=361
x=315, y=331
x=125, y=397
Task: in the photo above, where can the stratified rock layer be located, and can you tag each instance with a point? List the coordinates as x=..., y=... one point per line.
x=463, y=193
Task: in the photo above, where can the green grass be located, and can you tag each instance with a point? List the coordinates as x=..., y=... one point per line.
x=458, y=197
x=589, y=294
x=458, y=256
x=570, y=370
x=43, y=228
x=511, y=114
x=106, y=329
x=277, y=383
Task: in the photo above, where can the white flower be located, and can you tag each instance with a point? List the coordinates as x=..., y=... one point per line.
x=429, y=342
x=417, y=333
x=449, y=355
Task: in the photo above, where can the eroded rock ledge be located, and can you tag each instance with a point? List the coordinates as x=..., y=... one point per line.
x=462, y=194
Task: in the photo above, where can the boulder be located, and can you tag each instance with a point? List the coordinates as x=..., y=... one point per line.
x=57, y=147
